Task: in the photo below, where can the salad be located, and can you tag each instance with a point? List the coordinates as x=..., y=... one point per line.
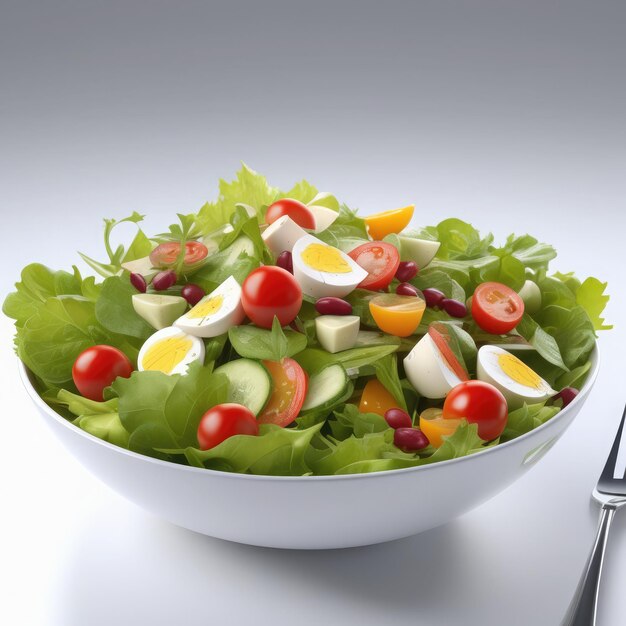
x=279, y=332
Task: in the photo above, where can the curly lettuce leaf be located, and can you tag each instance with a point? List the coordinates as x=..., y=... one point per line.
x=248, y=187
x=527, y=418
x=37, y=284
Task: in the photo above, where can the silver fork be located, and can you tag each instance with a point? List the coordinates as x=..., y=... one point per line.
x=610, y=492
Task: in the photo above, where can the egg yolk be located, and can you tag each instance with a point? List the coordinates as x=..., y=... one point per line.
x=210, y=306
x=519, y=372
x=166, y=354
x=325, y=259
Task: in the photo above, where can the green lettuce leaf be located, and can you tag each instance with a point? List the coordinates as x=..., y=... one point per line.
x=275, y=451
x=258, y=343
x=249, y=188
x=526, y=418
x=161, y=411
x=52, y=338
x=115, y=311
x=139, y=247
x=38, y=283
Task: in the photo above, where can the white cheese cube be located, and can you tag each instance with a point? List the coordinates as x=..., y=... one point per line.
x=282, y=235
x=159, y=311
x=421, y=251
x=141, y=266
x=337, y=332
x=324, y=217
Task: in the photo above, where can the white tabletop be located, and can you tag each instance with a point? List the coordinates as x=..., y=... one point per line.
x=511, y=118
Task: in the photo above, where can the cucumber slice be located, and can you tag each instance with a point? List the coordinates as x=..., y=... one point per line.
x=250, y=383
x=326, y=388
x=241, y=245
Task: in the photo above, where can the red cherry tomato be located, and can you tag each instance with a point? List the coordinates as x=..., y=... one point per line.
x=97, y=367
x=496, y=308
x=165, y=254
x=479, y=403
x=297, y=211
x=224, y=421
x=290, y=383
x=381, y=261
x=270, y=291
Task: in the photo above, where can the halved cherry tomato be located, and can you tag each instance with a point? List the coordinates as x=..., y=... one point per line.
x=380, y=259
x=297, y=211
x=376, y=399
x=496, y=308
x=397, y=315
x=441, y=340
x=435, y=427
x=97, y=367
x=270, y=291
x=382, y=224
x=166, y=254
x=479, y=403
x=223, y=421
x=290, y=384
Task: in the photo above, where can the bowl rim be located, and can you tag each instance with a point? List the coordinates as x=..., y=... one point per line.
x=38, y=400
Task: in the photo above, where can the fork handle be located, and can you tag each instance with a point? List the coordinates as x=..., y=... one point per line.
x=583, y=608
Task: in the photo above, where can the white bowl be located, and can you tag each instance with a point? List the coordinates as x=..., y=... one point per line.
x=310, y=512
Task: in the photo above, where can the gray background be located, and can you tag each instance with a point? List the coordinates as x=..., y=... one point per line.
x=510, y=115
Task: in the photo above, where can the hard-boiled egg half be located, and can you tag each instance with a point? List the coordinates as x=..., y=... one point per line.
x=322, y=270
x=430, y=372
x=170, y=351
x=517, y=382
x=215, y=313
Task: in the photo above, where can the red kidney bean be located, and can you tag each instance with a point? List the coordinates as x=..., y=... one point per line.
x=406, y=289
x=164, y=280
x=566, y=395
x=193, y=293
x=138, y=282
x=397, y=418
x=407, y=270
x=433, y=297
x=410, y=439
x=333, y=306
x=285, y=260
x=454, y=307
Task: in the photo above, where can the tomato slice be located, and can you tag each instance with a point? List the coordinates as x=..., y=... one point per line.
x=382, y=224
x=397, y=315
x=376, y=399
x=442, y=341
x=435, y=426
x=288, y=393
x=381, y=261
x=166, y=254
x=496, y=308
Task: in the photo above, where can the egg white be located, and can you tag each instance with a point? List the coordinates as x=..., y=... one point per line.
x=516, y=393
x=316, y=283
x=194, y=353
x=229, y=314
x=428, y=371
